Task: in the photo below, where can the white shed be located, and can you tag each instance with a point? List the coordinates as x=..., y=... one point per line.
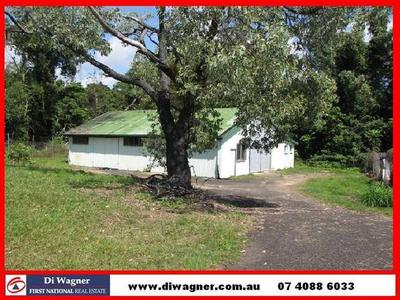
x=115, y=140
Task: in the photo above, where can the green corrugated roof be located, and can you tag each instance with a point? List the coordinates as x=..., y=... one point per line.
x=135, y=122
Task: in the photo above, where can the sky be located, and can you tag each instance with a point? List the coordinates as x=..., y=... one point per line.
x=120, y=57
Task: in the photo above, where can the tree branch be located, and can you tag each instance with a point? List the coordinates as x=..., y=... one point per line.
x=164, y=101
x=150, y=55
x=143, y=24
x=303, y=11
x=11, y=17
x=151, y=39
x=122, y=37
x=143, y=35
x=118, y=76
x=148, y=89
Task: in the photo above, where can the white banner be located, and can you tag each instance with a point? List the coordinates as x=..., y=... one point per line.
x=252, y=285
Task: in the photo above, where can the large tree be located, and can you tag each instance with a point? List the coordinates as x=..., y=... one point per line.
x=360, y=62
x=34, y=63
x=255, y=59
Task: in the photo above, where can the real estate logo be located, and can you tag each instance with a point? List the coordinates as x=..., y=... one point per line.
x=15, y=285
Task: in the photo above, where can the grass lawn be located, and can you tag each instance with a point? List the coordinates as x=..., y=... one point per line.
x=342, y=187
x=57, y=218
x=301, y=168
x=243, y=177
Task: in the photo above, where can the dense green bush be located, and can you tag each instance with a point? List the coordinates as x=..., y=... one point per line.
x=20, y=153
x=378, y=195
x=329, y=161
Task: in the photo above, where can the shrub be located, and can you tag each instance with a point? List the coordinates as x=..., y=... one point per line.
x=329, y=161
x=336, y=160
x=20, y=153
x=377, y=195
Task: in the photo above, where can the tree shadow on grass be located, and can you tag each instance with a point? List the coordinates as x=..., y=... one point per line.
x=83, y=179
x=79, y=179
x=242, y=202
x=48, y=170
x=96, y=183
x=201, y=195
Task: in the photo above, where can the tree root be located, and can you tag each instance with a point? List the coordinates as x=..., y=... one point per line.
x=162, y=187
x=167, y=188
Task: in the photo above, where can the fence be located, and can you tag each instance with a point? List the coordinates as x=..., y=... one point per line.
x=42, y=146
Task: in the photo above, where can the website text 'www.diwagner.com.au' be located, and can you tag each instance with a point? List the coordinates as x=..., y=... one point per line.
x=169, y=286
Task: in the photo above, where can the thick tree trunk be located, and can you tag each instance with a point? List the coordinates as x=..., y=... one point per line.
x=176, y=135
x=176, y=132
x=178, y=160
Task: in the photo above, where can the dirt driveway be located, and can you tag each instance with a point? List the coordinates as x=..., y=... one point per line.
x=296, y=232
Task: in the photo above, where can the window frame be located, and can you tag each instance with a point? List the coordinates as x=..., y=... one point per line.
x=80, y=140
x=241, y=151
x=286, y=149
x=133, y=141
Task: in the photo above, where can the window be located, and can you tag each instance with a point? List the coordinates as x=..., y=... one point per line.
x=241, y=151
x=133, y=141
x=291, y=149
x=286, y=149
x=80, y=140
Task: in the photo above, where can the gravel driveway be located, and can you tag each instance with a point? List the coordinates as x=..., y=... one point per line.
x=296, y=232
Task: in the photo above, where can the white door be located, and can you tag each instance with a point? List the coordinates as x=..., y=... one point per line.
x=255, y=160
x=265, y=161
x=259, y=161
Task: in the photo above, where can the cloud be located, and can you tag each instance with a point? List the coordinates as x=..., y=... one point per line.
x=10, y=55
x=119, y=59
x=88, y=74
x=390, y=24
x=367, y=34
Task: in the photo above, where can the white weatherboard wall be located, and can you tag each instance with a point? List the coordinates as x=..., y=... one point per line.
x=228, y=166
x=80, y=155
x=110, y=152
x=204, y=164
x=132, y=158
x=282, y=156
x=105, y=152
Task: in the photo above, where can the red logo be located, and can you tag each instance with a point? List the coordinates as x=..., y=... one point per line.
x=15, y=285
